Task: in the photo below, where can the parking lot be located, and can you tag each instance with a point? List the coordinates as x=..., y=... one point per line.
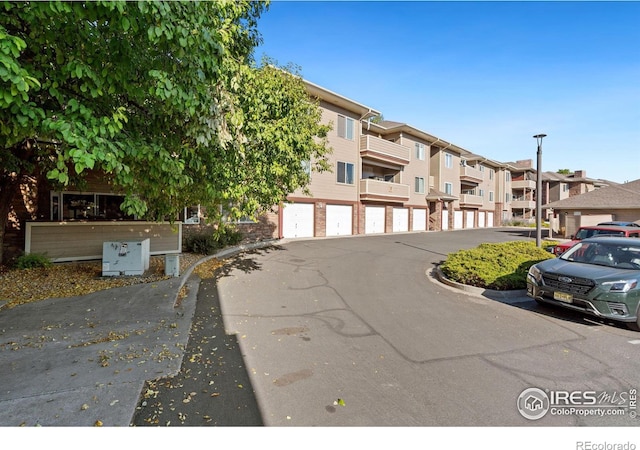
x=357, y=332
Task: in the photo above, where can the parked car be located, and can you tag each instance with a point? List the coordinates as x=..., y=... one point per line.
x=598, y=276
x=594, y=231
x=618, y=223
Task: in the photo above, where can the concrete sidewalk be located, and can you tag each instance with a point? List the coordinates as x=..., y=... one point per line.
x=83, y=361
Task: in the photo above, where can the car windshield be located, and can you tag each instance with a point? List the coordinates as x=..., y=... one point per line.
x=621, y=256
x=587, y=233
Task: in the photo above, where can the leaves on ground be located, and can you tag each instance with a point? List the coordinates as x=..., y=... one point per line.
x=71, y=279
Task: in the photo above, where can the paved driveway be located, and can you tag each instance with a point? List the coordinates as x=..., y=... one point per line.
x=355, y=332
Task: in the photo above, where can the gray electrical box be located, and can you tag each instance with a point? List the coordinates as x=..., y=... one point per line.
x=125, y=257
x=172, y=265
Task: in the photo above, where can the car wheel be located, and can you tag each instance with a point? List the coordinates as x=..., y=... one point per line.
x=635, y=326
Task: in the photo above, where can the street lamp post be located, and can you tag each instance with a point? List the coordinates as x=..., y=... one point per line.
x=538, y=138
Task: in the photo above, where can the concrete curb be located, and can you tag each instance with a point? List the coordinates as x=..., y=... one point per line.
x=489, y=293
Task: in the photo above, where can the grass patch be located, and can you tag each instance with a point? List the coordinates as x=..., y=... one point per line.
x=501, y=266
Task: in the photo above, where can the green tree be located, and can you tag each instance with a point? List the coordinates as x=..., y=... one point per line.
x=564, y=171
x=163, y=97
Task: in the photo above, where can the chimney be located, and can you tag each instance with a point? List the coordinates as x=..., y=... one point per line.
x=580, y=174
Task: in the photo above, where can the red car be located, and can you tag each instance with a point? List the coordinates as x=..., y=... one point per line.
x=596, y=231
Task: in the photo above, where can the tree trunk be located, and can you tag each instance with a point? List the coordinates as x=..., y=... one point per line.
x=9, y=186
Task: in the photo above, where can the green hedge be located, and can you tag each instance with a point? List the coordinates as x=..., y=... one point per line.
x=502, y=266
x=207, y=243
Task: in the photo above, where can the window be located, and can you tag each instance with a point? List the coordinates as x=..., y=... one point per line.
x=419, y=185
x=345, y=173
x=491, y=172
x=490, y=196
x=481, y=167
x=481, y=192
x=448, y=160
x=448, y=188
x=306, y=166
x=565, y=187
x=345, y=127
x=507, y=176
x=87, y=206
x=507, y=197
x=419, y=151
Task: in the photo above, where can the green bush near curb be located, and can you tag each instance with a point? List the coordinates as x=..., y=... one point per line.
x=502, y=266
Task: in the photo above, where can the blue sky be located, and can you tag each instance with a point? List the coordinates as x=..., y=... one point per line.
x=485, y=76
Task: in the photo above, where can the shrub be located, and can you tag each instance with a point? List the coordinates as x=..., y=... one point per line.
x=32, y=260
x=501, y=266
x=207, y=243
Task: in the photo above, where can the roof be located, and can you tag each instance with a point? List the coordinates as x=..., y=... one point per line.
x=436, y=195
x=390, y=126
x=340, y=100
x=619, y=196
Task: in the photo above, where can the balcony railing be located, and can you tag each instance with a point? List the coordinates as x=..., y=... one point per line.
x=523, y=184
x=470, y=199
x=523, y=204
x=383, y=190
x=468, y=173
x=386, y=151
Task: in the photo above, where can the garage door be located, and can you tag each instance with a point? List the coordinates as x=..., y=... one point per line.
x=297, y=220
x=469, y=219
x=445, y=219
x=374, y=219
x=481, y=218
x=458, y=217
x=419, y=220
x=339, y=220
x=490, y=219
x=400, y=219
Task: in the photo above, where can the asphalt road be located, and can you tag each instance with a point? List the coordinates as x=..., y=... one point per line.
x=356, y=332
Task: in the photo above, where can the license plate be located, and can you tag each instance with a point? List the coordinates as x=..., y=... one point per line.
x=561, y=296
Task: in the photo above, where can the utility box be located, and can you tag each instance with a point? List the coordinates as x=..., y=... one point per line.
x=172, y=265
x=125, y=257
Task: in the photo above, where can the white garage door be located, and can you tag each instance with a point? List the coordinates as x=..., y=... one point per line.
x=445, y=219
x=374, y=219
x=339, y=220
x=481, y=219
x=469, y=219
x=458, y=217
x=297, y=220
x=419, y=220
x=400, y=219
x=490, y=219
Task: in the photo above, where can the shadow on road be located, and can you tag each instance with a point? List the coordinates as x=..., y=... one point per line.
x=246, y=261
x=213, y=387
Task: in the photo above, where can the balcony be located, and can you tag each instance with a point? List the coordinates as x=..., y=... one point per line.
x=523, y=184
x=523, y=204
x=471, y=174
x=384, y=191
x=385, y=151
x=471, y=200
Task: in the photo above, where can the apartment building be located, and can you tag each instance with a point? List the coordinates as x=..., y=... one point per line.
x=390, y=177
x=521, y=204
x=559, y=186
